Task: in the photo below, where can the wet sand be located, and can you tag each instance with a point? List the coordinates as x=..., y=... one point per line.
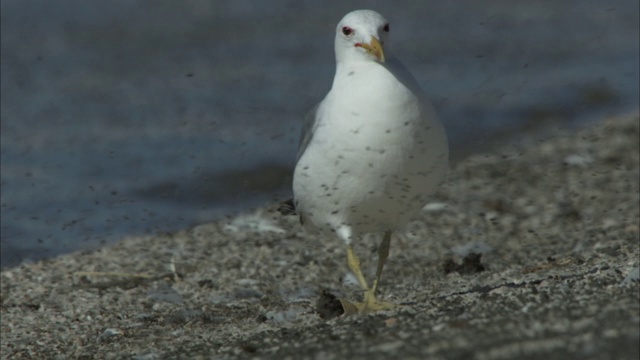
x=529, y=252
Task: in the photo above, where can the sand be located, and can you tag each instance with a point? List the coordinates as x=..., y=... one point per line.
x=528, y=252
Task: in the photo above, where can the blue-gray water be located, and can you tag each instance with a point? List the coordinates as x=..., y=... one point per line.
x=130, y=117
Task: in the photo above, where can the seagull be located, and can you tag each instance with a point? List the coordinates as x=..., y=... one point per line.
x=371, y=152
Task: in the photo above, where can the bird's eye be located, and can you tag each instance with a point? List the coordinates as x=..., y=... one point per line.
x=386, y=28
x=347, y=30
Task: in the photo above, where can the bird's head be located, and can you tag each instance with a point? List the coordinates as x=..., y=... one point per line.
x=361, y=36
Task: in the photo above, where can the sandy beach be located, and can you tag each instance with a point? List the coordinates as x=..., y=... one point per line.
x=529, y=252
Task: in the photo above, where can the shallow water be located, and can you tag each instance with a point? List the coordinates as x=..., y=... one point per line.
x=130, y=117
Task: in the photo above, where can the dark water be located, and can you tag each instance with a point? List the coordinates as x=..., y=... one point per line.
x=131, y=117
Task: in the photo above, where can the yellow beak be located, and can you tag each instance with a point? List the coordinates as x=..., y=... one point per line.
x=375, y=49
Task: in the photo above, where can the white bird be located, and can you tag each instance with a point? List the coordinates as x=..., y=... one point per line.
x=372, y=151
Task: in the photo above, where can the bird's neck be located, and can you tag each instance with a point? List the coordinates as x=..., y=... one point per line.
x=368, y=81
x=364, y=75
x=348, y=69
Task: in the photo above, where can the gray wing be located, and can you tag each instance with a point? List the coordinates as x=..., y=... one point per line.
x=308, y=128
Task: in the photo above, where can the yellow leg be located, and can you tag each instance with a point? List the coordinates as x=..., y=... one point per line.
x=354, y=265
x=370, y=303
x=383, y=254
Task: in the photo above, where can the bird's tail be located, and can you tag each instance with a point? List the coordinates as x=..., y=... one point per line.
x=287, y=208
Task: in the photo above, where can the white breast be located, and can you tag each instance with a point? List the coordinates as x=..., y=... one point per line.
x=377, y=152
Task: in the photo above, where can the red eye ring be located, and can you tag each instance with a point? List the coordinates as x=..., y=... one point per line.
x=386, y=28
x=347, y=31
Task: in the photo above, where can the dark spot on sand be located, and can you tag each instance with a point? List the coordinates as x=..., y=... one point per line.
x=470, y=265
x=328, y=306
